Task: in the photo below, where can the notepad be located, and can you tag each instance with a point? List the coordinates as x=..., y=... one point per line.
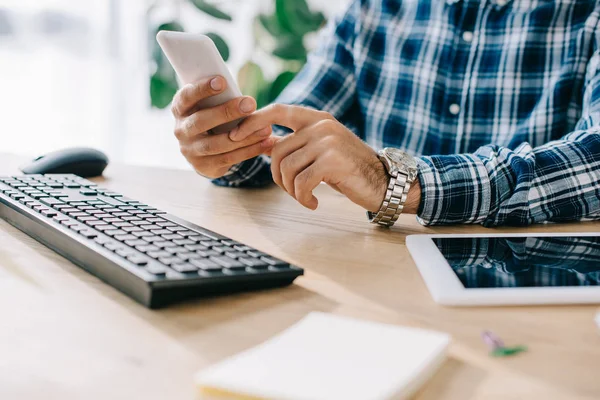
x=324, y=356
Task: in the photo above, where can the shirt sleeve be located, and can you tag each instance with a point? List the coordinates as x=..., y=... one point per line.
x=325, y=83
x=558, y=181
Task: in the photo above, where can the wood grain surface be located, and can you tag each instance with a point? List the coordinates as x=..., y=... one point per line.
x=66, y=335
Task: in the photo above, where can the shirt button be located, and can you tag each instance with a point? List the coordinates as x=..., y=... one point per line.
x=454, y=109
x=501, y=3
x=467, y=36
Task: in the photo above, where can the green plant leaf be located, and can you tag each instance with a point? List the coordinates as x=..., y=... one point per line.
x=170, y=26
x=295, y=17
x=220, y=43
x=162, y=90
x=279, y=84
x=251, y=81
x=211, y=10
x=290, y=48
x=271, y=25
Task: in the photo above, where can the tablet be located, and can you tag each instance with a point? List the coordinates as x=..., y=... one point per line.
x=509, y=269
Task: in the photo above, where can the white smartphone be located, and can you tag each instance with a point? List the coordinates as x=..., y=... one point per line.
x=194, y=57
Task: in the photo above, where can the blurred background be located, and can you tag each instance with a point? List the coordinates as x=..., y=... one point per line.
x=88, y=73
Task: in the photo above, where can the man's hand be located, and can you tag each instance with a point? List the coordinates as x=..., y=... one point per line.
x=213, y=155
x=320, y=149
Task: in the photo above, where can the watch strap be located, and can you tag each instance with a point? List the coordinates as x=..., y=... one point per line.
x=393, y=202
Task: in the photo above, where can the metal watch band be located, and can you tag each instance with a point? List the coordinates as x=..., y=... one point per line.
x=393, y=203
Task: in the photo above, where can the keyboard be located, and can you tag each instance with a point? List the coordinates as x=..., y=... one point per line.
x=152, y=256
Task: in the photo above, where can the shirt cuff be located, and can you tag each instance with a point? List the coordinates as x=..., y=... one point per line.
x=454, y=189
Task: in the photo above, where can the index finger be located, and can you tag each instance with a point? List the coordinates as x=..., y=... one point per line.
x=188, y=96
x=293, y=117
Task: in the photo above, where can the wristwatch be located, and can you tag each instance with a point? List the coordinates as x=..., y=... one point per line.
x=402, y=169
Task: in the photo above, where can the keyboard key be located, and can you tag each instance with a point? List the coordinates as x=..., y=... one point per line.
x=72, y=185
x=86, y=208
x=230, y=242
x=49, y=213
x=135, y=242
x=172, y=237
x=235, y=254
x=228, y=262
x=164, y=224
x=113, y=232
x=170, y=260
x=77, y=203
x=113, y=245
x=17, y=196
x=138, y=259
x=221, y=249
x=184, y=267
x=194, y=247
x=158, y=254
x=188, y=256
x=242, y=248
x=161, y=232
x=156, y=269
x=88, y=234
x=131, y=229
x=131, y=219
x=141, y=233
x=112, y=220
x=122, y=238
x=123, y=225
x=88, y=192
x=38, y=195
x=68, y=223
x=125, y=252
x=78, y=227
x=257, y=254
x=207, y=253
x=146, y=248
x=253, y=262
x=182, y=242
x=157, y=219
x=152, y=239
x=79, y=214
x=102, y=240
x=87, y=219
x=94, y=223
x=122, y=214
x=176, y=250
x=176, y=228
x=274, y=262
x=60, y=218
x=206, y=265
x=93, y=212
x=210, y=243
x=164, y=244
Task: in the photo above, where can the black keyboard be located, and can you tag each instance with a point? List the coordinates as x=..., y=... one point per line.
x=153, y=257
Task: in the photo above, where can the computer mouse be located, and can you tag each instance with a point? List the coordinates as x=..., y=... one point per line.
x=82, y=161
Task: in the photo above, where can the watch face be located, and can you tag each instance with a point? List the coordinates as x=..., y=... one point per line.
x=401, y=161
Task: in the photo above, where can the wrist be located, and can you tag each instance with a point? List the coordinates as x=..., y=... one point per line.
x=414, y=198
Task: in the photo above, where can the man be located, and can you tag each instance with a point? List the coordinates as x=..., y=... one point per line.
x=498, y=100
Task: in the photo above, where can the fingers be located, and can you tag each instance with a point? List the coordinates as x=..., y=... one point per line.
x=284, y=148
x=188, y=96
x=209, y=145
x=293, y=117
x=295, y=163
x=204, y=120
x=217, y=165
x=304, y=184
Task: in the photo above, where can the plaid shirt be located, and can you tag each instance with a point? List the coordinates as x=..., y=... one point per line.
x=499, y=100
x=519, y=262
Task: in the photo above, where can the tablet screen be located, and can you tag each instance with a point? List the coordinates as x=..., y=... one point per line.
x=495, y=262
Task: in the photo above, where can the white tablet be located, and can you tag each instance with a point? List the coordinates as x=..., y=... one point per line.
x=509, y=269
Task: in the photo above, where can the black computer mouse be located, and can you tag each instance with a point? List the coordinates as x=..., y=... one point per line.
x=81, y=161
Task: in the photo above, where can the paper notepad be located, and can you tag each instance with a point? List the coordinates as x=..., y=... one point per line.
x=329, y=357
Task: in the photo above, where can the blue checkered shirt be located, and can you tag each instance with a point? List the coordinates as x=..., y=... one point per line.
x=498, y=100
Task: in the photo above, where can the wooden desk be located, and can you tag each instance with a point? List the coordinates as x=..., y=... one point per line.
x=66, y=335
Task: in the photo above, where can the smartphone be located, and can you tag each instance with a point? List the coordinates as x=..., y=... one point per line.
x=193, y=57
